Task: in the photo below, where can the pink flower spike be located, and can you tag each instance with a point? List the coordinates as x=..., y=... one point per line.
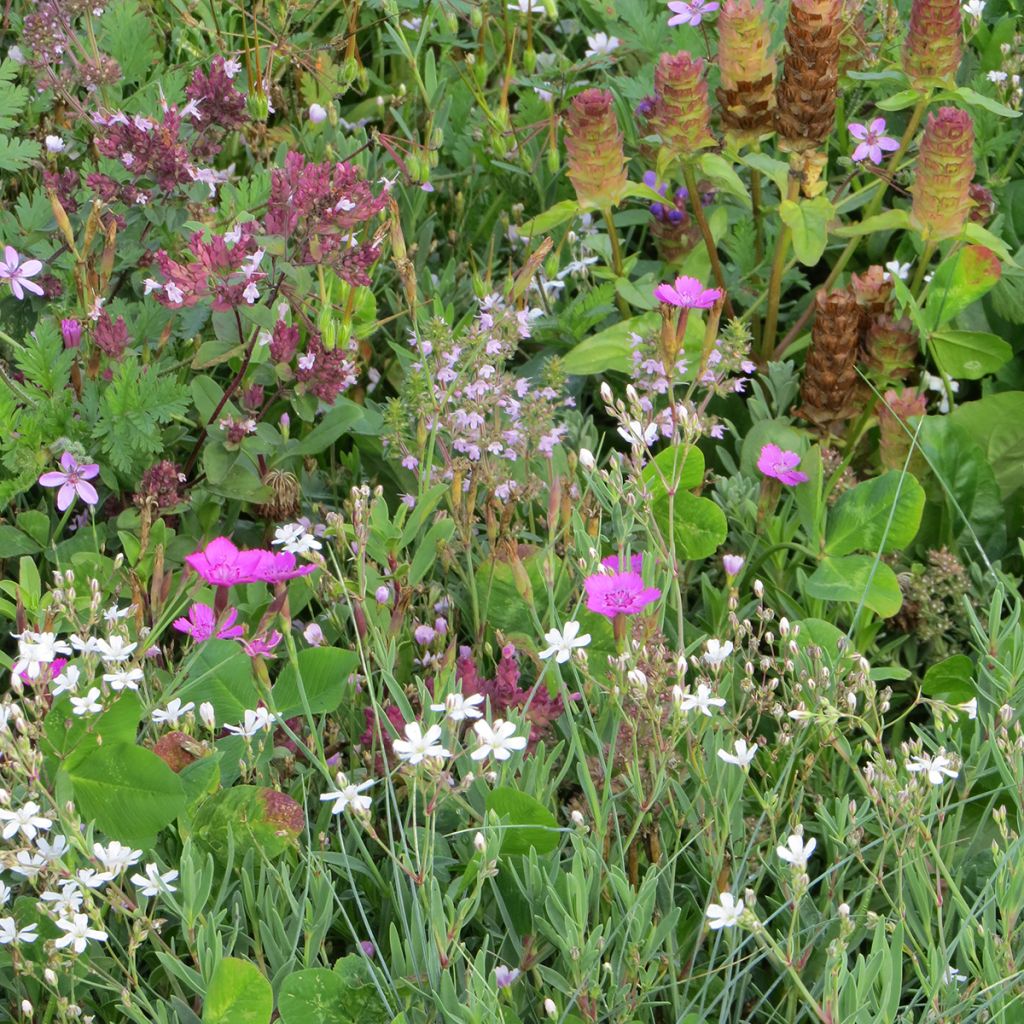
x=72, y=481
x=872, y=141
x=781, y=465
x=689, y=12
x=687, y=293
x=17, y=273
x=621, y=594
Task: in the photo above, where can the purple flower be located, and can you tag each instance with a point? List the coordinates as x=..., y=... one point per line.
x=635, y=562
x=71, y=332
x=504, y=976
x=17, y=273
x=73, y=480
x=872, y=141
x=781, y=465
x=688, y=293
x=689, y=12
x=732, y=564
x=624, y=593
x=223, y=565
x=201, y=624
x=424, y=634
x=261, y=646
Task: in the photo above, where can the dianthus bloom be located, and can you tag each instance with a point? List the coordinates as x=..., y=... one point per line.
x=781, y=465
x=688, y=293
x=624, y=593
x=222, y=564
x=201, y=624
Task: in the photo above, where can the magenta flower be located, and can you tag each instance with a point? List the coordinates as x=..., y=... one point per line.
x=689, y=12
x=781, y=465
x=635, y=562
x=201, y=624
x=688, y=293
x=624, y=593
x=17, y=273
x=73, y=480
x=223, y=565
x=261, y=646
x=872, y=141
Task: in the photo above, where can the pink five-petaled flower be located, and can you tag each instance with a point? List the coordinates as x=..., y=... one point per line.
x=687, y=293
x=224, y=565
x=781, y=465
x=17, y=273
x=872, y=141
x=201, y=624
x=74, y=479
x=689, y=12
x=623, y=593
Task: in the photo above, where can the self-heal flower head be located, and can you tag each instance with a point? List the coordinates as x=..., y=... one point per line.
x=726, y=913
x=934, y=44
x=942, y=180
x=687, y=293
x=937, y=769
x=201, y=624
x=73, y=480
x=623, y=593
x=597, y=162
x=781, y=465
x=497, y=740
x=419, y=745
x=743, y=754
x=562, y=643
x=17, y=273
x=690, y=12
x=681, y=114
x=796, y=851
x=746, y=64
x=872, y=141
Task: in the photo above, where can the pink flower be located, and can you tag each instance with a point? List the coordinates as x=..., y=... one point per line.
x=621, y=594
x=261, y=646
x=732, y=564
x=277, y=567
x=781, y=465
x=872, y=141
x=17, y=273
x=635, y=562
x=688, y=292
x=72, y=481
x=223, y=565
x=201, y=624
x=689, y=12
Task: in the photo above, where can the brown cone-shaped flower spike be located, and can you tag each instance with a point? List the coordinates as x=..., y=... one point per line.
x=747, y=92
x=807, y=91
x=829, y=386
x=597, y=164
x=933, y=46
x=891, y=349
x=894, y=441
x=682, y=116
x=942, y=178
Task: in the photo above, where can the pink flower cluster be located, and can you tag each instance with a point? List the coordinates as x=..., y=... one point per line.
x=222, y=564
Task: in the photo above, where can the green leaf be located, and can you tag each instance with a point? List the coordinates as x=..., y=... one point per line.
x=775, y=170
x=126, y=34
x=345, y=995
x=719, y=172
x=959, y=282
x=129, y=792
x=856, y=578
x=681, y=468
x=969, y=355
x=891, y=220
x=877, y=515
x=222, y=674
x=14, y=543
x=976, y=233
x=698, y=524
x=257, y=818
x=950, y=680
x=808, y=221
x=996, y=423
x=899, y=101
x=640, y=190
x=426, y=555
x=610, y=349
x=67, y=736
x=529, y=825
x=976, y=99
x=238, y=994
x=324, y=672
x=545, y=222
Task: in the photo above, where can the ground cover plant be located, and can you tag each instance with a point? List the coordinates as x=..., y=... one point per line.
x=511, y=511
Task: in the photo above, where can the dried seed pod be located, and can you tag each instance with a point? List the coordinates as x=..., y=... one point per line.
x=942, y=180
x=597, y=163
x=828, y=391
x=933, y=47
x=682, y=116
x=285, y=503
x=747, y=92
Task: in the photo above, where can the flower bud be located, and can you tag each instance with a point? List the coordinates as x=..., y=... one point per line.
x=479, y=843
x=681, y=115
x=933, y=47
x=71, y=332
x=942, y=182
x=317, y=114
x=597, y=164
x=587, y=460
x=550, y=1008
x=207, y=715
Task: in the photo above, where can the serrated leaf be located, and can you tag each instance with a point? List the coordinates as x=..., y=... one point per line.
x=17, y=154
x=127, y=35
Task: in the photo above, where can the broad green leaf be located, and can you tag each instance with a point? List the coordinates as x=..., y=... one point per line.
x=969, y=355
x=996, y=423
x=679, y=467
x=950, y=680
x=550, y=219
x=68, y=736
x=977, y=99
x=982, y=236
x=344, y=417
x=891, y=220
x=640, y=190
x=775, y=170
x=899, y=101
x=719, y=171
x=500, y=591
x=857, y=578
x=698, y=524
x=959, y=282
x=426, y=554
x=128, y=791
x=258, y=818
x=344, y=995
x=877, y=515
x=528, y=824
x=324, y=673
x=222, y=674
x=14, y=543
x=808, y=221
x=238, y=994
x=610, y=349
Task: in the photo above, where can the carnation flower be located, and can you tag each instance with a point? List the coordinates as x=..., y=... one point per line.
x=687, y=293
x=623, y=593
x=781, y=465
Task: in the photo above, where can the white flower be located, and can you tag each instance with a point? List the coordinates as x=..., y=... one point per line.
x=93, y=879
x=5, y=894
x=498, y=740
x=115, y=614
x=251, y=293
x=998, y=77
x=935, y=383
x=348, y=794
x=534, y=7
x=115, y=649
x=317, y=113
x=418, y=744
x=232, y=67
x=123, y=678
x=114, y=857
x=9, y=932
x=716, y=652
x=254, y=721
x=77, y=933
x=936, y=768
x=638, y=435
x=701, y=701
x=743, y=756
x=950, y=976
x=897, y=269
x=29, y=864
x=36, y=650
x=85, y=644
x=207, y=715
x=562, y=643
x=152, y=882
x=970, y=707
x=726, y=913
x=295, y=539
x=27, y=820
x=51, y=851
x=66, y=902
x=796, y=851
x=600, y=43
x=55, y=144
x=66, y=682
x=173, y=713
x=459, y=708
x=974, y=8
x=87, y=705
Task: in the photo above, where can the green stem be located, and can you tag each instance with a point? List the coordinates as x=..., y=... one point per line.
x=617, y=263
x=922, y=268
x=771, y=322
x=709, y=241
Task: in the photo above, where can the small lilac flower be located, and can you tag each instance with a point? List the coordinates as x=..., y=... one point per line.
x=689, y=12
x=688, y=292
x=382, y=594
x=201, y=624
x=504, y=976
x=317, y=114
x=424, y=634
x=314, y=635
x=781, y=465
x=621, y=594
x=872, y=141
x=732, y=564
x=17, y=273
x=73, y=480
x=368, y=948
